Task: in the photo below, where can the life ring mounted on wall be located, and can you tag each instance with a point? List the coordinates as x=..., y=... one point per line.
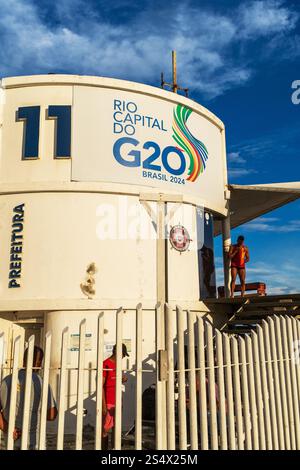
x=179, y=238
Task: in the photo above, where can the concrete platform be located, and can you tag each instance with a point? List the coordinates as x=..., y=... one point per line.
x=242, y=314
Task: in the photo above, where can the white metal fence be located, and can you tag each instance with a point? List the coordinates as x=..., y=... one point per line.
x=212, y=390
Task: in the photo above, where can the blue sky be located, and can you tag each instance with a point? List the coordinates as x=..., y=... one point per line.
x=239, y=59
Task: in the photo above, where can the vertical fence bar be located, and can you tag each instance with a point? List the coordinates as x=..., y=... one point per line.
x=298, y=350
x=296, y=356
x=271, y=386
x=296, y=353
x=296, y=325
x=164, y=383
x=13, y=393
x=44, y=405
x=279, y=402
x=139, y=378
x=27, y=394
x=181, y=380
x=170, y=382
x=192, y=381
x=293, y=381
x=287, y=374
x=278, y=339
x=159, y=384
x=118, y=412
x=62, y=389
x=229, y=393
x=221, y=386
x=237, y=394
x=2, y=356
x=245, y=393
x=258, y=392
x=80, y=385
x=159, y=405
x=202, y=386
x=99, y=381
x=2, y=343
x=265, y=391
x=252, y=395
x=212, y=387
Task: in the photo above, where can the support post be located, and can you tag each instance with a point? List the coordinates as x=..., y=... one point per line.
x=161, y=254
x=174, y=71
x=226, y=236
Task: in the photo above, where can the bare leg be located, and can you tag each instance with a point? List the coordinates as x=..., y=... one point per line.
x=242, y=276
x=233, y=279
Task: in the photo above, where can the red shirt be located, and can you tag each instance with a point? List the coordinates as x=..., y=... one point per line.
x=110, y=381
x=238, y=261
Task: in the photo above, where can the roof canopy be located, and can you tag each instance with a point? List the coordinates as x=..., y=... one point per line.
x=250, y=202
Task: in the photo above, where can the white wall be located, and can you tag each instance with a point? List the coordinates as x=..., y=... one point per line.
x=62, y=236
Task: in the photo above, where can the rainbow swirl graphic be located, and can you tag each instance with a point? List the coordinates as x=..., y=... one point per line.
x=194, y=148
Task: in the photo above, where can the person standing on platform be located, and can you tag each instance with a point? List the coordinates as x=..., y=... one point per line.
x=239, y=255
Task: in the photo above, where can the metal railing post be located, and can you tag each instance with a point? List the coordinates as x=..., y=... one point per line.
x=80, y=385
x=45, y=388
x=62, y=389
x=27, y=395
x=118, y=412
x=99, y=381
x=13, y=393
x=139, y=377
x=181, y=380
x=192, y=380
x=170, y=382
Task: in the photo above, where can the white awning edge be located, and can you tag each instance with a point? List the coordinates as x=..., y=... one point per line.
x=252, y=201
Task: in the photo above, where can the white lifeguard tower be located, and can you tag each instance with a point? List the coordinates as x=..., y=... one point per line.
x=110, y=195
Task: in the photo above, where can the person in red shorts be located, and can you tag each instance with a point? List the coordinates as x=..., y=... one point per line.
x=239, y=255
x=109, y=393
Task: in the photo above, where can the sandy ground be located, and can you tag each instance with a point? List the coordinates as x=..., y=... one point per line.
x=88, y=440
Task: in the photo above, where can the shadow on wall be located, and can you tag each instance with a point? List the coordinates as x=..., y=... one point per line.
x=89, y=404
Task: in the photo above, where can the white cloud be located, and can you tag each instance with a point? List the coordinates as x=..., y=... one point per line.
x=270, y=146
x=280, y=278
x=268, y=219
x=237, y=165
x=82, y=41
x=273, y=224
x=266, y=17
x=235, y=157
x=236, y=172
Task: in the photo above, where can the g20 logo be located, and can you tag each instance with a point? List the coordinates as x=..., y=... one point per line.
x=129, y=152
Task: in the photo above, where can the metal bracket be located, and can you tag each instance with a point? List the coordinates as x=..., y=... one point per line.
x=160, y=197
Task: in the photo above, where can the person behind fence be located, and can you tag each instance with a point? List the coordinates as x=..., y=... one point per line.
x=239, y=256
x=109, y=393
x=35, y=401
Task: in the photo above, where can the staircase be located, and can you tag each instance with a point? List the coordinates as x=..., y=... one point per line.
x=249, y=311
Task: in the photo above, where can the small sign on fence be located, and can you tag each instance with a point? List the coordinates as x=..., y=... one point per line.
x=74, y=342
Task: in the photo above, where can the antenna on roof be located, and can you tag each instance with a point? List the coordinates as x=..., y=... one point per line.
x=174, y=86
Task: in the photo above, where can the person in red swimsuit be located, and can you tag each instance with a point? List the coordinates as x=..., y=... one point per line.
x=109, y=393
x=239, y=255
